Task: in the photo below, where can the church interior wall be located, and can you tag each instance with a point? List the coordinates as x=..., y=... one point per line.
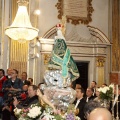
x=48, y=18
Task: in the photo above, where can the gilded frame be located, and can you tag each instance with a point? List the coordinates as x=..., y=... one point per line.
x=75, y=20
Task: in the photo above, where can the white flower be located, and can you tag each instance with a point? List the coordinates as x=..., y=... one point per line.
x=100, y=89
x=105, y=89
x=112, y=86
x=47, y=116
x=17, y=111
x=34, y=112
x=77, y=118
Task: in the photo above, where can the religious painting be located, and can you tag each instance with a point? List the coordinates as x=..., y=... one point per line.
x=76, y=11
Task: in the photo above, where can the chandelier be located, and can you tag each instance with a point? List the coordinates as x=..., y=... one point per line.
x=21, y=28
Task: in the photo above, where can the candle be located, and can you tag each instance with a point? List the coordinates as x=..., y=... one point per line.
x=117, y=91
x=113, y=90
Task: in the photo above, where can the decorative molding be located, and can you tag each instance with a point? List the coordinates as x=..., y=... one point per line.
x=96, y=45
x=101, y=50
x=76, y=48
x=100, y=61
x=46, y=58
x=97, y=36
x=50, y=33
x=83, y=14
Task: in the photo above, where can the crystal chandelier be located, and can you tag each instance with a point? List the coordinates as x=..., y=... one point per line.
x=21, y=28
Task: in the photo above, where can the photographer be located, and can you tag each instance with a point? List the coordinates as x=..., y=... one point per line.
x=7, y=110
x=12, y=85
x=33, y=97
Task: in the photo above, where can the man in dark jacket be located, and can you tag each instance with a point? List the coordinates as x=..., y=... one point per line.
x=24, y=79
x=9, y=71
x=89, y=94
x=31, y=99
x=13, y=84
x=80, y=102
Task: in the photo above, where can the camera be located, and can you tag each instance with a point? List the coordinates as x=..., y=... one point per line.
x=20, y=95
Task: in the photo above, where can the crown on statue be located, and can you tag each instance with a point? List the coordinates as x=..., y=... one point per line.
x=59, y=26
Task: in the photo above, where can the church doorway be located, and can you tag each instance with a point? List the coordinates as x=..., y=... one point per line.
x=83, y=70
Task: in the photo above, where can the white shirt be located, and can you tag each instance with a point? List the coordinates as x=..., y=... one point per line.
x=87, y=99
x=77, y=103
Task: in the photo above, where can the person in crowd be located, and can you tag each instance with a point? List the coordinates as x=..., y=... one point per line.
x=13, y=84
x=24, y=79
x=2, y=80
x=77, y=86
x=80, y=102
x=104, y=85
x=30, y=80
x=89, y=94
x=41, y=86
x=10, y=87
x=97, y=98
x=24, y=92
x=45, y=100
x=73, y=84
x=7, y=110
x=116, y=103
x=100, y=114
x=90, y=106
x=93, y=86
x=31, y=99
x=34, y=95
x=9, y=71
x=25, y=87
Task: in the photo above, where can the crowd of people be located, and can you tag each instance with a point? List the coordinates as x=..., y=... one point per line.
x=18, y=92
x=21, y=93
x=87, y=101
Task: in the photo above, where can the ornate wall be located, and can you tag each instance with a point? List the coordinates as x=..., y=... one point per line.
x=47, y=19
x=115, y=74
x=95, y=51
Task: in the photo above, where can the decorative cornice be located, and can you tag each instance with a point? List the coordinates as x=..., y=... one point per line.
x=97, y=36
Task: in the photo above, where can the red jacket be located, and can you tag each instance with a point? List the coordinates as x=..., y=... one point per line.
x=2, y=80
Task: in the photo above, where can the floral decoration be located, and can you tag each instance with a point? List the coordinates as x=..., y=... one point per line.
x=35, y=112
x=59, y=115
x=106, y=93
x=31, y=113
